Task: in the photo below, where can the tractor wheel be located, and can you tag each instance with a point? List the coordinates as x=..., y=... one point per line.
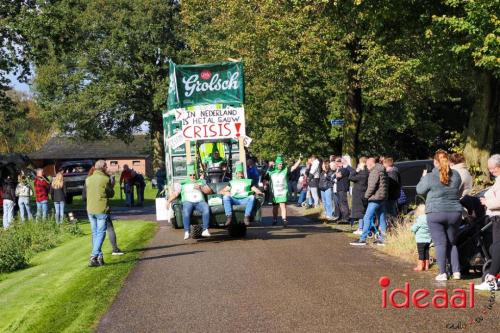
x=237, y=230
x=196, y=231
x=173, y=223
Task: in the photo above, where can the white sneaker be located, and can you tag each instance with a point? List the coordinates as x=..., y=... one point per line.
x=490, y=283
x=186, y=235
x=358, y=232
x=205, y=233
x=456, y=276
x=441, y=277
x=487, y=285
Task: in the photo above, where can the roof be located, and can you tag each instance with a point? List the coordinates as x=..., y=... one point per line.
x=65, y=148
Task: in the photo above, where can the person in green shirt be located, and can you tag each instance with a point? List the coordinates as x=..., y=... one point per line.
x=98, y=190
x=279, y=187
x=239, y=192
x=191, y=191
x=214, y=160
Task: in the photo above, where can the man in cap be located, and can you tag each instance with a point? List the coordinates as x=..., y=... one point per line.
x=239, y=192
x=191, y=191
x=279, y=187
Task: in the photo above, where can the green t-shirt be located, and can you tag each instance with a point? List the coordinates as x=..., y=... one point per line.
x=279, y=184
x=241, y=188
x=212, y=162
x=189, y=193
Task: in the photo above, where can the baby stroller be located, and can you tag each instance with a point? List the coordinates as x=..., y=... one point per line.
x=474, y=238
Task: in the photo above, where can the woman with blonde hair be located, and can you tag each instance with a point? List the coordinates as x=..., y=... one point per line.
x=444, y=211
x=58, y=194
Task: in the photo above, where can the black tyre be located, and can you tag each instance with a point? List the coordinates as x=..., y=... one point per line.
x=237, y=230
x=173, y=222
x=69, y=199
x=486, y=268
x=196, y=231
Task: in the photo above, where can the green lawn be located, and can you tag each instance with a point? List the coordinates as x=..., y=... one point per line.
x=60, y=293
x=149, y=198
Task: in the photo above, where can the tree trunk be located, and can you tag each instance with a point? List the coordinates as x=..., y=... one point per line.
x=156, y=132
x=354, y=107
x=482, y=132
x=352, y=124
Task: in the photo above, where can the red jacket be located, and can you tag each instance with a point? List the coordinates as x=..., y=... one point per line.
x=125, y=176
x=41, y=189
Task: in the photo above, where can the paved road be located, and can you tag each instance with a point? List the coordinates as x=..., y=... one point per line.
x=301, y=279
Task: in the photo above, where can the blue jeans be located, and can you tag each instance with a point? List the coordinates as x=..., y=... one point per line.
x=98, y=227
x=42, y=207
x=374, y=208
x=302, y=196
x=24, y=204
x=229, y=201
x=129, y=194
x=360, y=226
x=59, y=206
x=187, y=210
x=140, y=195
x=8, y=213
x=326, y=197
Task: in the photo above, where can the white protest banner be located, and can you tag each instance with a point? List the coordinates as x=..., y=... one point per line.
x=213, y=121
x=175, y=140
x=247, y=141
x=180, y=114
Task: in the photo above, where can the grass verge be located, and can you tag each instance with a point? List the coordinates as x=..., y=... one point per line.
x=58, y=292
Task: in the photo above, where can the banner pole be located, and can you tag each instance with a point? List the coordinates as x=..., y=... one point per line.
x=188, y=152
x=242, y=153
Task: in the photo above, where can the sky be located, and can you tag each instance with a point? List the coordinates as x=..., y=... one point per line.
x=17, y=85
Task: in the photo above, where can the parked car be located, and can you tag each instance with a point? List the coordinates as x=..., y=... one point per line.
x=75, y=173
x=411, y=172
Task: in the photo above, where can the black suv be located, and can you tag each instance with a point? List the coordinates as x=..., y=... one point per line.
x=411, y=172
x=75, y=173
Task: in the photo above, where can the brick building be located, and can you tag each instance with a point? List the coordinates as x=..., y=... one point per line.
x=60, y=149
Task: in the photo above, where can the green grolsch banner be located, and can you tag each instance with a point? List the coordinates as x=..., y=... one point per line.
x=219, y=83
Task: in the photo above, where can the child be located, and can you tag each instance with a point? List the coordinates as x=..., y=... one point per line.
x=423, y=238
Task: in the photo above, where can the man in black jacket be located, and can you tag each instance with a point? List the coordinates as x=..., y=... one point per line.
x=342, y=186
x=394, y=181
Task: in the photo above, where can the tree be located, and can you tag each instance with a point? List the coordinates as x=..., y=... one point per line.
x=102, y=65
x=23, y=128
x=471, y=30
x=311, y=61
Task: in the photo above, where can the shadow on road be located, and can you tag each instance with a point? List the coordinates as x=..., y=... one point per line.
x=170, y=255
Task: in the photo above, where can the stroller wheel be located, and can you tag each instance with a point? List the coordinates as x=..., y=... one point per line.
x=486, y=268
x=370, y=235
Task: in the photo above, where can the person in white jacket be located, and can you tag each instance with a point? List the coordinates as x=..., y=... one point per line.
x=491, y=200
